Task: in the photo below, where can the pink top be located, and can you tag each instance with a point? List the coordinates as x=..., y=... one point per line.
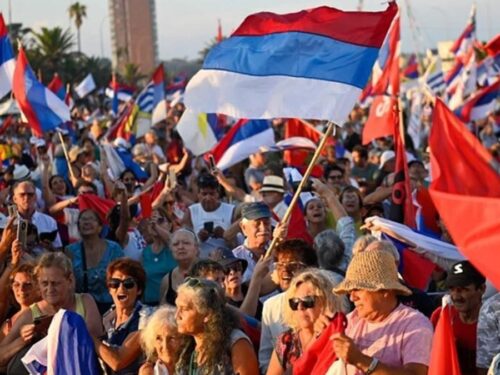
x=405, y=336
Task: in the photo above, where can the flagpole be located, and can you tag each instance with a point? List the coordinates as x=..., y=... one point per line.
x=305, y=178
x=73, y=177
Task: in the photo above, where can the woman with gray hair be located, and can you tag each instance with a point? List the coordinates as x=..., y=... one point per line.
x=330, y=251
x=160, y=342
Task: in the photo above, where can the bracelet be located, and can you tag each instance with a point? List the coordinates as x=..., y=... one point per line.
x=372, y=367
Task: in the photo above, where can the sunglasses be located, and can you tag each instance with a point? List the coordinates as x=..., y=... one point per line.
x=236, y=267
x=307, y=302
x=289, y=266
x=127, y=283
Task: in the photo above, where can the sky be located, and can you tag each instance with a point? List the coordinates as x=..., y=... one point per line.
x=185, y=27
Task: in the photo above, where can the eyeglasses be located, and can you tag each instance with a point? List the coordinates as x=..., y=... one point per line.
x=289, y=266
x=22, y=286
x=307, y=302
x=236, y=267
x=335, y=177
x=127, y=283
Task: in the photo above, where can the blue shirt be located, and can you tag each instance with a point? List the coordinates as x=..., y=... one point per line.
x=156, y=266
x=96, y=276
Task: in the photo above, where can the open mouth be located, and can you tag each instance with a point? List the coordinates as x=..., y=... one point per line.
x=122, y=297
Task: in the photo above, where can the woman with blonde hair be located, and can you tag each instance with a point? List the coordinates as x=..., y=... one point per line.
x=214, y=344
x=309, y=297
x=160, y=342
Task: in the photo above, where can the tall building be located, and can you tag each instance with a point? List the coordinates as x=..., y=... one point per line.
x=133, y=34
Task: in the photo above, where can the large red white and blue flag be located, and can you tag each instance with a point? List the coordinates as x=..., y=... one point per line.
x=481, y=104
x=310, y=64
x=41, y=107
x=7, y=60
x=246, y=137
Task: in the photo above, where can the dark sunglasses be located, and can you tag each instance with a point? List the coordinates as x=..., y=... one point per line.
x=307, y=302
x=236, y=267
x=127, y=283
x=289, y=266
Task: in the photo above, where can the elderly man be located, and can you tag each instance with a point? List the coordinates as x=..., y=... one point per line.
x=24, y=197
x=382, y=335
x=256, y=227
x=467, y=287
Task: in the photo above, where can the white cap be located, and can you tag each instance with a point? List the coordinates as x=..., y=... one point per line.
x=40, y=143
x=385, y=157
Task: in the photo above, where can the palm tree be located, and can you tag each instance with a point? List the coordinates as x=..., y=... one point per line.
x=53, y=46
x=132, y=75
x=78, y=12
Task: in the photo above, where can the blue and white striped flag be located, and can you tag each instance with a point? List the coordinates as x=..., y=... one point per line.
x=145, y=99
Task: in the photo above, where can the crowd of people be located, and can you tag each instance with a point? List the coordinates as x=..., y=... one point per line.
x=182, y=283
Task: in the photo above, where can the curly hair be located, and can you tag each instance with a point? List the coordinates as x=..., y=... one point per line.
x=209, y=300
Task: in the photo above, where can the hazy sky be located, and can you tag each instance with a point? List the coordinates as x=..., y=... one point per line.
x=186, y=26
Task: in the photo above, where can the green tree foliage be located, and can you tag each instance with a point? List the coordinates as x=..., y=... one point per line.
x=77, y=12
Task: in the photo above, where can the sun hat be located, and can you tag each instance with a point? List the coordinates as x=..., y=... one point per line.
x=372, y=271
x=273, y=183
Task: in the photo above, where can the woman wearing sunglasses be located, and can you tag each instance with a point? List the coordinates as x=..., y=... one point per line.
x=121, y=348
x=308, y=297
x=214, y=344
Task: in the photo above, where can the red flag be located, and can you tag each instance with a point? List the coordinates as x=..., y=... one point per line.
x=402, y=209
x=381, y=119
x=493, y=45
x=100, y=205
x=466, y=190
x=6, y=124
x=148, y=198
x=219, y=32
x=387, y=81
x=320, y=355
x=299, y=128
x=444, y=358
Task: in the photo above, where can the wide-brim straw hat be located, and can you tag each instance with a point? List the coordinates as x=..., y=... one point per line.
x=373, y=271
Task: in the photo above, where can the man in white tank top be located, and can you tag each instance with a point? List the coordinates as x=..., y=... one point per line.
x=210, y=217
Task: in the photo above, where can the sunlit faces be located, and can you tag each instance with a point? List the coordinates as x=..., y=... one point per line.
x=184, y=247
x=368, y=304
x=257, y=232
x=123, y=289
x=287, y=266
x=271, y=198
x=467, y=298
x=25, y=289
x=89, y=223
x=350, y=201
x=233, y=275
x=209, y=198
x=55, y=286
x=25, y=197
x=167, y=343
x=58, y=186
x=189, y=320
x=315, y=211
x=306, y=315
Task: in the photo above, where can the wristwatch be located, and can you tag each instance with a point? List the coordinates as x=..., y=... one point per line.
x=372, y=367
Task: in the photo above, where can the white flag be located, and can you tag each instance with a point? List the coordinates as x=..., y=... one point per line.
x=86, y=86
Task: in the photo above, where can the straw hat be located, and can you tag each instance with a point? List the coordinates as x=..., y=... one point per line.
x=372, y=270
x=273, y=183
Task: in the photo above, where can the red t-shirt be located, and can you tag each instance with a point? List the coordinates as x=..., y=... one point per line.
x=465, y=336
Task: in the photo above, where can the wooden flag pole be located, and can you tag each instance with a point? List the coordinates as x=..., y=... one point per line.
x=66, y=155
x=305, y=178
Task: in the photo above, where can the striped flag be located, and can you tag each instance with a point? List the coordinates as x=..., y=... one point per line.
x=7, y=60
x=257, y=72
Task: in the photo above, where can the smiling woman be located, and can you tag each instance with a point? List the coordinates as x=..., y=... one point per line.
x=121, y=350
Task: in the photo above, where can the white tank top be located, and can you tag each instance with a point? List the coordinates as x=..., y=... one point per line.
x=221, y=217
